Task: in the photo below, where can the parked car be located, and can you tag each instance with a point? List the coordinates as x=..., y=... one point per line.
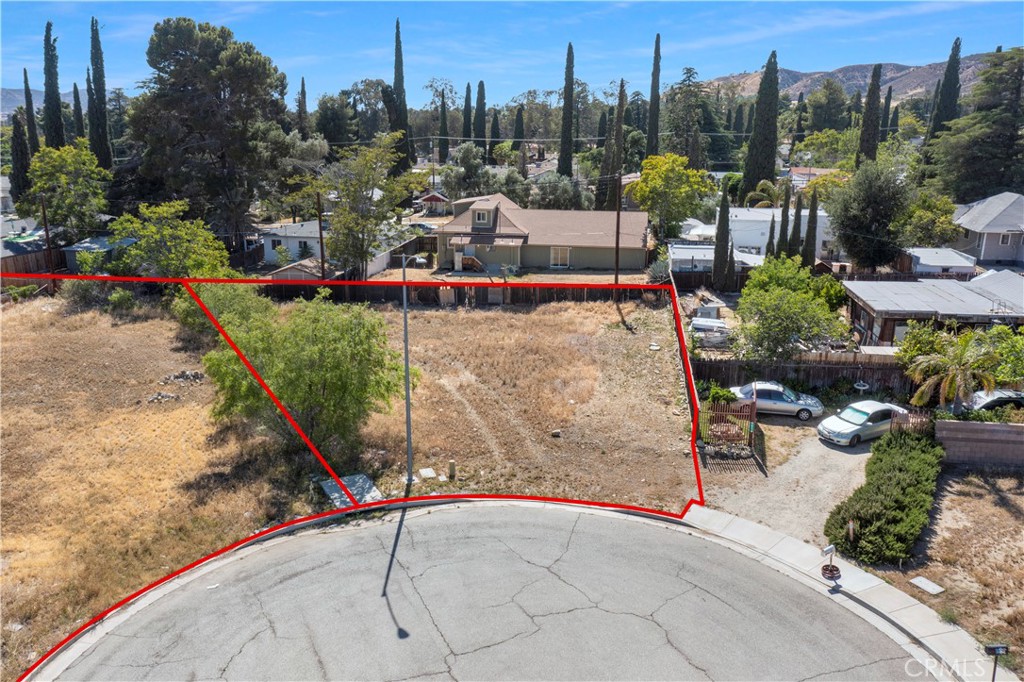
x=774, y=398
x=1000, y=397
x=860, y=421
x=425, y=227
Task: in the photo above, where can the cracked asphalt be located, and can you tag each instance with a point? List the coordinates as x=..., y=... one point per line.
x=481, y=593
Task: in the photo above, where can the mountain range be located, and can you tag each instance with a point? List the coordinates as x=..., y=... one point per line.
x=12, y=98
x=906, y=81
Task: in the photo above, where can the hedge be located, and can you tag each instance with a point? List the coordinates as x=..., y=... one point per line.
x=891, y=509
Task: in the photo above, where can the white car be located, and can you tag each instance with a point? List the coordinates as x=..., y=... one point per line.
x=858, y=422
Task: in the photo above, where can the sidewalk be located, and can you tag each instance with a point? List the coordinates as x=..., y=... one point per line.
x=964, y=659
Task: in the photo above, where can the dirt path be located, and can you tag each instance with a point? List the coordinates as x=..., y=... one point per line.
x=797, y=496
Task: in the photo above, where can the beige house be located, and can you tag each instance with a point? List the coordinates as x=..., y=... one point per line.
x=493, y=231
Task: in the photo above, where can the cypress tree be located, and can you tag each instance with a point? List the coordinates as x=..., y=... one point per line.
x=934, y=104
x=750, y=121
x=20, y=157
x=769, y=249
x=628, y=118
x=616, y=152
x=946, y=104
x=565, y=141
x=495, y=139
x=654, y=106
x=77, y=113
x=730, y=272
x=781, y=246
x=809, y=251
x=894, y=122
x=302, y=112
x=793, y=244
x=738, y=126
x=30, y=118
x=467, y=115
x=869, y=126
x=480, y=118
x=764, y=138
x=519, y=132
x=798, y=132
x=720, y=266
x=442, y=142
x=602, y=129
x=53, y=118
x=100, y=142
x=884, y=133
x=407, y=151
x=728, y=119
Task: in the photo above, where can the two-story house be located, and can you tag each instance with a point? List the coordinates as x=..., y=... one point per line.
x=993, y=230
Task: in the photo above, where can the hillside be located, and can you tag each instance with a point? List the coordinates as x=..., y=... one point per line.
x=906, y=81
x=12, y=98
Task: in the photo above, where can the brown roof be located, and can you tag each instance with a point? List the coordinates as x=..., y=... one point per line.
x=505, y=201
x=555, y=228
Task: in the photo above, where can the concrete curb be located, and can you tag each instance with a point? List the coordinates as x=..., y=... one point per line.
x=960, y=654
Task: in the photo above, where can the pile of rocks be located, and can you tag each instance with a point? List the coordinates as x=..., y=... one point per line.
x=161, y=397
x=185, y=376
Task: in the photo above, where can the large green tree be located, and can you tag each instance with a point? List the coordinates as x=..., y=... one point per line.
x=946, y=108
x=77, y=111
x=962, y=364
x=99, y=141
x=336, y=120
x=30, y=117
x=20, y=157
x=809, y=251
x=519, y=131
x=562, y=193
x=330, y=364
x=480, y=118
x=653, y=117
x=928, y=221
x=302, y=111
x=169, y=245
x=467, y=115
x=209, y=121
x=777, y=320
x=71, y=184
x=368, y=197
x=53, y=119
x=764, y=138
x=884, y=129
x=670, y=190
x=865, y=214
x=871, y=120
x=565, y=138
x=494, y=140
x=827, y=107
x=794, y=242
x=442, y=133
x=406, y=148
x=615, y=151
x=982, y=153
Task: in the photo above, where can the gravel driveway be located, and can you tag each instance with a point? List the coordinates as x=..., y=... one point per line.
x=798, y=495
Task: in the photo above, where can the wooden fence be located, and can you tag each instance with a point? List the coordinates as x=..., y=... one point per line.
x=728, y=372
x=982, y=444
x=691, y=281
x=30, y=262
x=483, y=296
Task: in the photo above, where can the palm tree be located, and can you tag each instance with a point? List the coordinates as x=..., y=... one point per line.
x=963, y=364
x=766, y=194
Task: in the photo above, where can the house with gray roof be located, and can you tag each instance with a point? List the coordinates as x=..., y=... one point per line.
x=928, y=261
x=493, y=231
x=993, y=230
x=880, y=311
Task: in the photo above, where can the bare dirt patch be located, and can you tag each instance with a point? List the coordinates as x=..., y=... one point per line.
x=495, y=385
x=102, y=490
x=975, y=549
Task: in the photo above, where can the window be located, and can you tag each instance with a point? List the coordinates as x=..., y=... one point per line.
x=560, y=256
x=303, y=245
x=480, y=216
x=945, y=271
x=1004, y=239
x=274, y=243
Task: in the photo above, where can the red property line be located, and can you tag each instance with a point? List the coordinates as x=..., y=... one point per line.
x=357, y=507
x=280, y=406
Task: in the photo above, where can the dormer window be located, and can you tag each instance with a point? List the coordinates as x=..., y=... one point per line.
x=481, y=217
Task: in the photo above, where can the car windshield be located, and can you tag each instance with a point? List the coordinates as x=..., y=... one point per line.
x=747, y=390
x=790, y=394
x=853, y=415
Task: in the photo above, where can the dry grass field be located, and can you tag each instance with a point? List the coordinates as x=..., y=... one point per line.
x=103, y=492
x=496, y=384
x=975, y=549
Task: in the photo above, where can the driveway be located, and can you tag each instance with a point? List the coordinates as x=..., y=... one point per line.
x=489, y=592
x=797, y=496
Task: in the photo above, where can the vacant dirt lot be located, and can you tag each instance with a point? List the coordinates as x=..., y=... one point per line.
x=496, y=384
x=975, y=549
x=102, y=491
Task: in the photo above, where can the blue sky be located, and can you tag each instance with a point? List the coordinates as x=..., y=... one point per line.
x=514, y=46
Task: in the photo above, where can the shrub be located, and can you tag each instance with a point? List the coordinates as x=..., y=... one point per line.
x=21, y=293
x=1007, y=414
x=891, y=509
x=79, y=295
x=717, y=394
x=121, y=302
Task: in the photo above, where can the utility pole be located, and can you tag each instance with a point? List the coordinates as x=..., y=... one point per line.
x=320, y=226
x=618, y=221
x=46, y=231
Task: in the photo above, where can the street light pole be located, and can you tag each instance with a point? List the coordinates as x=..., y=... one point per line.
x=408, y=397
